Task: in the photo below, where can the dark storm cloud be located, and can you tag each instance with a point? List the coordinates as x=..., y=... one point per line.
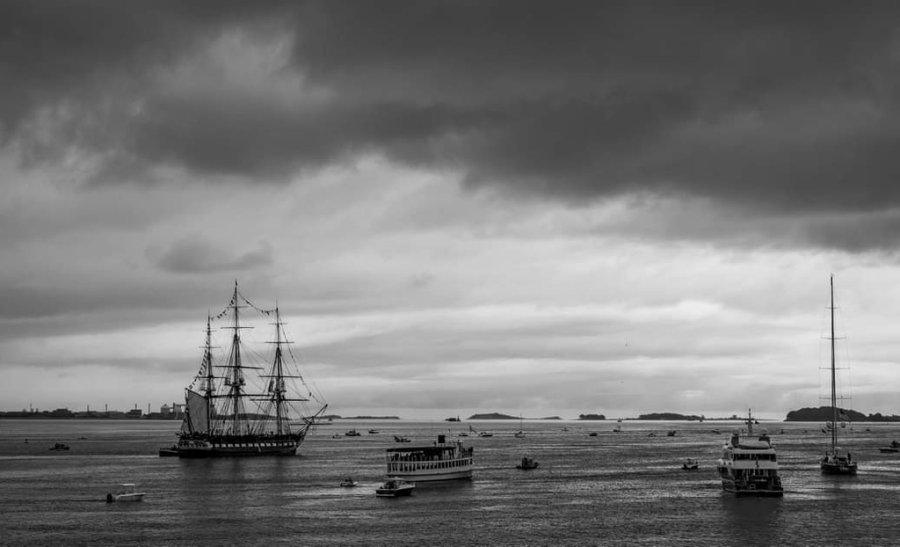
x=198, y=255
x=783, y=106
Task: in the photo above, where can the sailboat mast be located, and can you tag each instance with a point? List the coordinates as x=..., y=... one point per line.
x=833, y=389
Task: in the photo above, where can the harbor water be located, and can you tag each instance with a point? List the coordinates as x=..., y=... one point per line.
x=614, y=488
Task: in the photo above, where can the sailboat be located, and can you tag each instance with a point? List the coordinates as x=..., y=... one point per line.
x=238, y=408
x=520, y=434
x=835, y=462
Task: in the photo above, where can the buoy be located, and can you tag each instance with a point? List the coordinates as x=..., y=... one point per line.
x=109, y=498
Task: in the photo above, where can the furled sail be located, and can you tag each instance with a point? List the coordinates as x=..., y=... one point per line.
x=197, y=411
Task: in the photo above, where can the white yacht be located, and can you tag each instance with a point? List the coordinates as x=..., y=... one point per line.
x=748, y=466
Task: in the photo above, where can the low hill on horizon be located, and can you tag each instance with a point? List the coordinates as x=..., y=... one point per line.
x=671, y=416
x=823, y=414
x=492, y=416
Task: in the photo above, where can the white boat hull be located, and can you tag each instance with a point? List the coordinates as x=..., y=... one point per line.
x=439, y=462
x=430, y=476
x=129, y=497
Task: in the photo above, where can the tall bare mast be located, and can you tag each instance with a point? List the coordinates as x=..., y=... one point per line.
x=834, y=412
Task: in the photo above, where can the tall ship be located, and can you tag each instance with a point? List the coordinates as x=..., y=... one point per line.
x=748, y=467
x=439, y=462
x=835, y=462
x=238, y=406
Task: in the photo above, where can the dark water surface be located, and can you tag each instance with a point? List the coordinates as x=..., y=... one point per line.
x=613, y=489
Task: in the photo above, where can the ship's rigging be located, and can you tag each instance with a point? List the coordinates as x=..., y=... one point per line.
x=247, y=396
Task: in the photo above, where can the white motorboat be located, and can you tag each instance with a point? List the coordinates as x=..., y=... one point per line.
x=125, y=492
x=394, y=488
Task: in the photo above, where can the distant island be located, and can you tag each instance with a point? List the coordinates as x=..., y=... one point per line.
x=492, y=416
x=336, y=417
x=499, y=416
x=671, y=416
x=823, y=414
x=591, y=417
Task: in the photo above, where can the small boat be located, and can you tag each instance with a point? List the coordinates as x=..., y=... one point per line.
x=352, y=433
x=671, y=433
x=617, y=429
x=373, y=432
x=526, y=464
x=592, y=434
x=891, y=448
x=400, y=439
x=59, y=446
x=126, y=492
x=168, y=452
x=393, y=488
x=348, y=483
x=485, y=434
x=690, y=464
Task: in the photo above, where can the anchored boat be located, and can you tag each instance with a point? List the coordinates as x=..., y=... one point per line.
x=238, y=408
x=126, y=492
x=835, y=462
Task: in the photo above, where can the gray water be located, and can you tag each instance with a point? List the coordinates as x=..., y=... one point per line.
x=613, y=489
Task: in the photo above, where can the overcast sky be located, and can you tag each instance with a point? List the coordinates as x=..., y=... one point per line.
x=545, y=208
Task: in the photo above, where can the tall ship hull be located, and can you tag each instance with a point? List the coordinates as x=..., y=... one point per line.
x=235, y=408
x=246, y=445
x=439, y=462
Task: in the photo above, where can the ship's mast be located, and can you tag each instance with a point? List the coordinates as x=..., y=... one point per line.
x=210, y=388
x=278, y=388
x=834, y=411
x=237, y=378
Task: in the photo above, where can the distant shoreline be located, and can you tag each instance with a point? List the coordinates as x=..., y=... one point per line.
x=820, y=414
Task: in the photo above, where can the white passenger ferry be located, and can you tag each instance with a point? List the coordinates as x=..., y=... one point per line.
x=439, y=462
x=748, y=467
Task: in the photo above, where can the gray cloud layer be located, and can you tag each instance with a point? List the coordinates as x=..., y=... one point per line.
x=773, y=106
